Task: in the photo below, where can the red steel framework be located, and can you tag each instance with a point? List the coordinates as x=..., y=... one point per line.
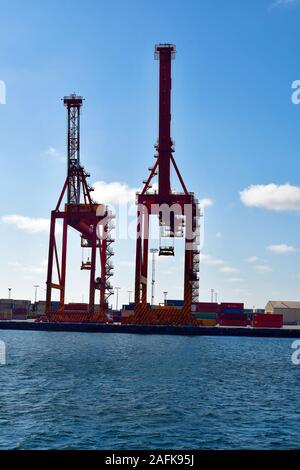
x=182, y=219
x=94, y=223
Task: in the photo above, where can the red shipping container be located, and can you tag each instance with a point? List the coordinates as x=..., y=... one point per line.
x=267, y=325
x=267, y=321
x=205, y=307
x=267, y=318
x=20, y=311
x=75, y=307
x=232, y=316
x=233, y=322
x=231, y=305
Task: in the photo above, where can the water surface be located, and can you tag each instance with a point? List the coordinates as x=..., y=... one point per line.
x=119, y=391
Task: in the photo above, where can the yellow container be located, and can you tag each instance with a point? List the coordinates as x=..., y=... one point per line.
x=5, y=315
x=208, y=322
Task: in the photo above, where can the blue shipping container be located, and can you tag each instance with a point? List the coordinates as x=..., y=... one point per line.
x=175, y=303
x=232, y=310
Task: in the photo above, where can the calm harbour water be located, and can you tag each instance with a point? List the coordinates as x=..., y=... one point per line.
x=110, y=391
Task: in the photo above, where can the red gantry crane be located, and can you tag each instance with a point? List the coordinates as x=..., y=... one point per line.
x=94, y=223
x=178, y=214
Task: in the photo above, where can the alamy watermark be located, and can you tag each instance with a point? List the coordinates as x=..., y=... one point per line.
x=296, y=354
x=296, y=93
x=174, y=221
x=2, y=353
x=2, y=92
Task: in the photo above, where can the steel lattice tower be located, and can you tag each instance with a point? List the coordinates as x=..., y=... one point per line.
x=94, y=224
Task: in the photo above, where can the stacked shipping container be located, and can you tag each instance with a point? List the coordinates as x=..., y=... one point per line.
x=14, y=309
x=6, y=315
x=6, y=308
x=116, y=316
x=232, y=314
x=19, y=313
x=267, y=321
x=205, y=313
x=40, y=307
x=127, y=311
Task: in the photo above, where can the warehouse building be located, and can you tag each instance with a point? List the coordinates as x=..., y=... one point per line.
x=289, y=310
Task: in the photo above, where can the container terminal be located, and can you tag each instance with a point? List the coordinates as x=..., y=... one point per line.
x=179, y=217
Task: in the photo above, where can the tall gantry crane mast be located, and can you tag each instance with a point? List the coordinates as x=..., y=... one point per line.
x=178, y=213
x=94, y=223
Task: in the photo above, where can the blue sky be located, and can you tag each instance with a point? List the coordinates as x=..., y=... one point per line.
x=233, y=123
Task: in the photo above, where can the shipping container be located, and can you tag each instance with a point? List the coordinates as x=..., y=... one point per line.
x=231, y=305
x=234, y=322
x=205, y=307
x=55, y=306
x=207, y=315
x=232, y=316
x=208, y=322
x=6, y=305
x=19, y=311
x=128, y=307
x=6, y=315
x=76, y=307
x=22, y=303
x=267, y=321
x=232, y=310
x=127, y=313
x=174, y=303
x=272, y=317
x=266, y=325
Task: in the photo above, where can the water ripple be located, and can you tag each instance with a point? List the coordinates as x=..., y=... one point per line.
x=107, y=391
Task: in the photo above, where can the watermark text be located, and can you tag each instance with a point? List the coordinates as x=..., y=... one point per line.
x=2, y=92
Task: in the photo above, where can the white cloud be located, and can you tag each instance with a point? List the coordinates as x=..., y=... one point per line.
x=228, y=269
x=252, y=259
x=120, y=193
x=207, y=259
x=39, y=269
x=113, y=193
x=34, y=269
x=29, y=224
x=14, y=264
x=274, y=197
x=206, y=202
x=285, y=3
x=263, y=268
x=281, y=249
x=219, y=235
x=52, y=152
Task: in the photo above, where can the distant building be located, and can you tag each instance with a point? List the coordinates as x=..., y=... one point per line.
x=289, y=310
